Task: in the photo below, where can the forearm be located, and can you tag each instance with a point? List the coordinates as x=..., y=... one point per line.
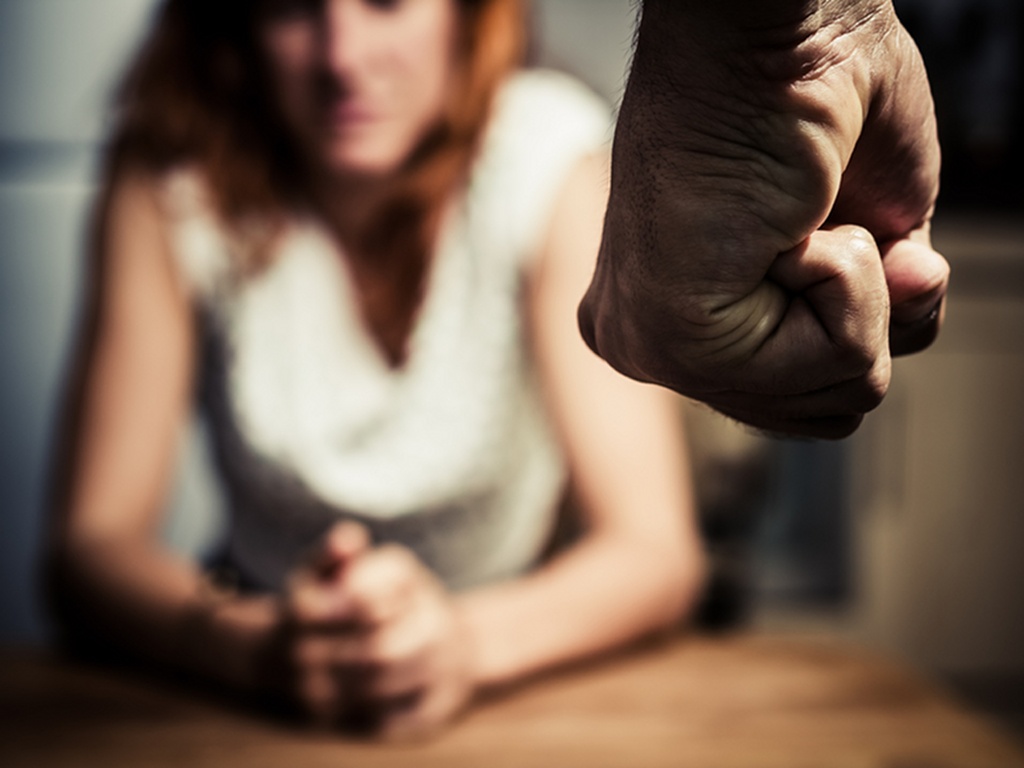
x=134, y=594
x=598, y=595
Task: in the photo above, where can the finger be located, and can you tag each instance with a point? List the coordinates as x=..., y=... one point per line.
x=832, y=413
x=418, y=718
x=381, y=585
x=343, y=543
x=835, y=327
x=319, y=695
x=398, y=658
x=314, y=594
x=853, y=397
x=408, y=720
x=838, y=273
x=918, y=278
x=820, y=428
x=373, y=678
x=371, y=718
x=314, y=604
x=778, y=419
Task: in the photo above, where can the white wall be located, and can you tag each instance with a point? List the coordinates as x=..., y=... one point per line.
x=57, y=58
x=592, y=39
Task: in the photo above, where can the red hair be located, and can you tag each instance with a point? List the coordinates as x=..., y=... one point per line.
x=195, y=95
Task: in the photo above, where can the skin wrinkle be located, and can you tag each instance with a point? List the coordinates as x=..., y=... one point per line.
x=820, y=52
x=772, y=170
x=793, y=49
x=746, y=141
x=823, y=49
x=770, y=166
x=745, y=151
x=763, y=317
x=759, y=325
x=740, y=325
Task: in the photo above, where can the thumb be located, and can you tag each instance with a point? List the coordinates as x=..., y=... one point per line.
x=315, y=594
x=917, y=278
x=339, y=547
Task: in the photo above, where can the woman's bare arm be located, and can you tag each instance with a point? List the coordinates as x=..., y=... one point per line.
x=109, y=573
x=639, y=565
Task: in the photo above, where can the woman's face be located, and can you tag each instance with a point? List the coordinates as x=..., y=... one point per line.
x=359, y=82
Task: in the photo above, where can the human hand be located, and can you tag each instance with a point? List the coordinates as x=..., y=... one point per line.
x=376, y=642
x=766, y=244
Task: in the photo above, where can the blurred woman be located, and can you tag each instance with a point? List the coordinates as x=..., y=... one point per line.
x=359, y=234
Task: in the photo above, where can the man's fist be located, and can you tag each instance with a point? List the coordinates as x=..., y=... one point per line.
x=773, y=178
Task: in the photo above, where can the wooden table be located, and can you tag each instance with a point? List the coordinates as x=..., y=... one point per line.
x=747, y=701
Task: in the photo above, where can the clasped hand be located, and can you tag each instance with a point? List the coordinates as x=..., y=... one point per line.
x=373, y=640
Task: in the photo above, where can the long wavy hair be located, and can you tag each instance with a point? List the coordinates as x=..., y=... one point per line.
x=196, y=95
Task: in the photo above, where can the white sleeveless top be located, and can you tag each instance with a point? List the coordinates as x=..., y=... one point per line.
x=451, y=455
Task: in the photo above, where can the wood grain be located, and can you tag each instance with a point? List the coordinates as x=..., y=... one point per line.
x=741, y=702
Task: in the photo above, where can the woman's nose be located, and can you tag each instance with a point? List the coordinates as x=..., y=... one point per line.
x=346, y=37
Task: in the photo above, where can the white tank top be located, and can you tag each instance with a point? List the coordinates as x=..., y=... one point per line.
x=452, y=454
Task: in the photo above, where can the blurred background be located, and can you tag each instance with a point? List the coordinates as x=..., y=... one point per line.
x=908, y=537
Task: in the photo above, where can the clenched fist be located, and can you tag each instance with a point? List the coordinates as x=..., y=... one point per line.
x=766, y=246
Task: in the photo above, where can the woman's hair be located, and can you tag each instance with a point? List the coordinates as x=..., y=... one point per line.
x=196, y=94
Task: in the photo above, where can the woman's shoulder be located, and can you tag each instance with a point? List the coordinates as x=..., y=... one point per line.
x=544, y=123
x=552, y=84
x=543, y=106
x=183, y=204
x=184, y=193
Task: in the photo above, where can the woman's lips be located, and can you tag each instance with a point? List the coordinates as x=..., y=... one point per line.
x=343, y=116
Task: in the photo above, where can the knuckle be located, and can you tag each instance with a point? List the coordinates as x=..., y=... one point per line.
x=376, y=661
x=860, y=238
x=302, y=656
x=862, y=361
x=389, y=565
x=862, y=342
x=858, y=262
x=301, y=607
x=859, y=244
x=385, y=651
x=397, y=557
x=315, y=692
x=611, y=325
x=867, y=391
x=310, y=656
x=876, y=385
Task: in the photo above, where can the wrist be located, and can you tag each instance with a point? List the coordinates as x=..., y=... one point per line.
x=234, y=639
x=765, y=20
x=778, y=40
x=489, y=662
